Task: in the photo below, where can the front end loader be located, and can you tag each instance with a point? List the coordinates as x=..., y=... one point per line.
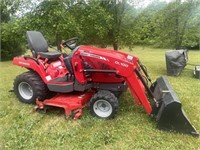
x=95, y=77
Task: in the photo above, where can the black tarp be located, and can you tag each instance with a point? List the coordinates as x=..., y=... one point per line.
x=176, y=60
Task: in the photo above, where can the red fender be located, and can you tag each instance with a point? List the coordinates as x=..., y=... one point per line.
x=31, y=64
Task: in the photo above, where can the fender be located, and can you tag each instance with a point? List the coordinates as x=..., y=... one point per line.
x=32, y=64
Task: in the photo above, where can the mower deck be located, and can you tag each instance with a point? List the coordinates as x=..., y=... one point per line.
x=72, y=103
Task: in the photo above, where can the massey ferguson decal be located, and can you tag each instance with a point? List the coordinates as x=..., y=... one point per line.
x=94, y=56
x=24, y=63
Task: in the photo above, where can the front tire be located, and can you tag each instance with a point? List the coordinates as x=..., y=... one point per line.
x=29, y=86
x=104, y=104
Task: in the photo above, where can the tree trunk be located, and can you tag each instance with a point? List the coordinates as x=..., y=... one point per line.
x=58, y=41
x=182, y=33
x=115, y=45
x=177, y=24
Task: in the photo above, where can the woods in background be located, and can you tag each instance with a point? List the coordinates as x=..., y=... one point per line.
x=101, y=22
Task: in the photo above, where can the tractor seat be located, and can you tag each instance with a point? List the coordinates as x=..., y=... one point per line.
x=49, y=55
x=38, y=46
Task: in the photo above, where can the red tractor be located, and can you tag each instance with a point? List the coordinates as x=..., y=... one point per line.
x=97, y=77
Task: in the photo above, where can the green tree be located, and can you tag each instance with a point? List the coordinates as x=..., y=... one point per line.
x=175, y=23
x=118, y=10
x=103, y=22
x=94, y=23
x=8, y=8
x=178, y=15
x=146, y=26
x=54, y=19
x=168, y=25
x=11, y=37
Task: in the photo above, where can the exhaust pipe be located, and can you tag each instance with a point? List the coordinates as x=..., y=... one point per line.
x=169, y=113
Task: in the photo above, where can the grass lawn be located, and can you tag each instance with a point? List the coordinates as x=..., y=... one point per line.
x=21, y=128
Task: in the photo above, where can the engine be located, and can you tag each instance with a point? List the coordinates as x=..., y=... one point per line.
x=56, y=69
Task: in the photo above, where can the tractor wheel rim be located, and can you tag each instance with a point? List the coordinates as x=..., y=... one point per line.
x=25, y=90
x=102, y=108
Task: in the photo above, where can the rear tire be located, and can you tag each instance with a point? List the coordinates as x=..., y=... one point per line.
x=29, y=86
x=104, y=104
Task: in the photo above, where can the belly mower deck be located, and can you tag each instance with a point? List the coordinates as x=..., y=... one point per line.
x=72, y=103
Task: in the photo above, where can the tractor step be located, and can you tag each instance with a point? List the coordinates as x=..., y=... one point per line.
x=72, y=103
x=64, y=87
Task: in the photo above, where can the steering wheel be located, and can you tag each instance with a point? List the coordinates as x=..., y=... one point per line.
x=71, y=43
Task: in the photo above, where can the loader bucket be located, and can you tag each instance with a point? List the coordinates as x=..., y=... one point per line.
x=169, y=113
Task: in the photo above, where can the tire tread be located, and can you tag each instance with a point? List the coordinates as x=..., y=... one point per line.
x=40, y=88
x=108, y=96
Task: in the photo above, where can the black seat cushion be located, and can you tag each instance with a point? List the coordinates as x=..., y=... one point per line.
x=49, y=55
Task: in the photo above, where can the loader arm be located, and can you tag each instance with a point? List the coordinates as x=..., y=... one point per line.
x=124, y=66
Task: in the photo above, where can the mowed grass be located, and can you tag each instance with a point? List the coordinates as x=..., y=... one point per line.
x=22, y=128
